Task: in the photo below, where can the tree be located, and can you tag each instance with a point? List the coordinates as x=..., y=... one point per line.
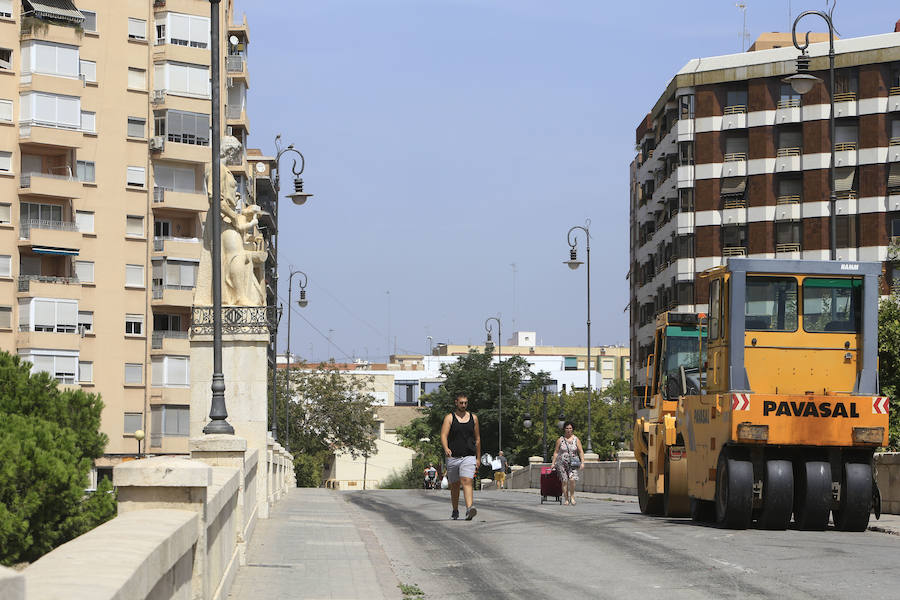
x=330, y=412
x=48, y=440
x=889, y=361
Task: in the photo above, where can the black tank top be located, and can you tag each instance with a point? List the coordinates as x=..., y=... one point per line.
x=462, y=437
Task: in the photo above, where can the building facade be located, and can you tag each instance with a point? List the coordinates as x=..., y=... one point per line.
x=104, y=142
x=732, y=162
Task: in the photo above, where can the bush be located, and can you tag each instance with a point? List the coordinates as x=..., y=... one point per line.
x=308, y=468
x=408, y=479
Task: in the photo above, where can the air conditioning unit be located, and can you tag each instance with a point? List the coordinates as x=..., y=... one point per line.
x=157, y=143
x=158, y=96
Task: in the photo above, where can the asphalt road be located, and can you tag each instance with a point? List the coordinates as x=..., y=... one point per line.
x=518, y=548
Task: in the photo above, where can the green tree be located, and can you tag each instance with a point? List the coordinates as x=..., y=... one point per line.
x=330, y=412
x=48, y=440
x=889, y=361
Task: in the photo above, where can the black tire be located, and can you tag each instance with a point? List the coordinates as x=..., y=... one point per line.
x=778, y=495
x=703, y=511
x=856, y=498
x=734, y=492
x=812, y=497
x=650, y=505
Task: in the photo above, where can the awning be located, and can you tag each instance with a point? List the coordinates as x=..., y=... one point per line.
x=50, y=250
x=733, y=185
x=894, y=176
x=844, y=178
x=64, y=10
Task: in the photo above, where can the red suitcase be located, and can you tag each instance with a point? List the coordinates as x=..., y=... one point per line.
x=551, y=486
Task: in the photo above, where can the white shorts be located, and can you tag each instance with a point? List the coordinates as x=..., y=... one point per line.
x=457, y=467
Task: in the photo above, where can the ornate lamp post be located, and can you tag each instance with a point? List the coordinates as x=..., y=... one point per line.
x=298, y=197
x=489, y=343
x=802, y=82
x=302, y=302
x=574, y=263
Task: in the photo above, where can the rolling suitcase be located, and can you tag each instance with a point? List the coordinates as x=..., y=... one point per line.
x=550, y=485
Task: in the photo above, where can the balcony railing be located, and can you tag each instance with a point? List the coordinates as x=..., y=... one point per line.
x=788, y=199
x=788, y=103
x=159, y=289
x=845, y=97
x=788, y=152
x=734, y=251
x=159, y=336
x=894, y=91
x=63, y=173
x=26, y=225
x=735, y=156
x=734, y=203
x=846, y=195
x=159, y=241
x=894, y=141
x=843, y=146
x=234, y=112
x=159, y=193
x=234, y=63
x=25, y=280
x=735, y=109
x=791, y=247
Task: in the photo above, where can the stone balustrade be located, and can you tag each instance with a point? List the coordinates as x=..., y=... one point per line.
x=180, y=533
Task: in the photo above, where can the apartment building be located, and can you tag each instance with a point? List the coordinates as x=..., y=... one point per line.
x=732, y=162
x=104, y=141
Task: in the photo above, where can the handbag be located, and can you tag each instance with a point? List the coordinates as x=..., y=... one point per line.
x=496, y=465
x=574, y=459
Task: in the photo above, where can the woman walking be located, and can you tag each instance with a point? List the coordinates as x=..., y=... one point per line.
x=568, y=458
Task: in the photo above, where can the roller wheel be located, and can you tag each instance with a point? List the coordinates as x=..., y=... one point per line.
x=856, y=498
x=734, y=492
x=778, y=495
x=812, y=500
x=675, y=499
x=703, y=511
x=650, y=504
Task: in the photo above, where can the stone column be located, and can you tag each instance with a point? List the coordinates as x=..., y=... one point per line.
x=12, y=584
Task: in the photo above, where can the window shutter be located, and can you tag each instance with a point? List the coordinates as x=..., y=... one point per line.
x=88, y=70
x=137, y=28
x=173, y=273
x=177, y=368
x=179, y=27
x=6, y=317
x=67, y=314
x=6, y=110
x=5, y=263
x=89, y=122
x=136, y=127
x=6, y=161
x=84, y=221
x=84, y=271
x=44, y=313
x=134, y=275
x=67, y=364
x=137, y=79
x=157, y=364
x=133, y=373
x=134, y=226
x=43, y=363
x=136, y=176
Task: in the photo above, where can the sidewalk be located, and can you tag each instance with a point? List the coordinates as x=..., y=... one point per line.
x=313, y=545
x=889, y=524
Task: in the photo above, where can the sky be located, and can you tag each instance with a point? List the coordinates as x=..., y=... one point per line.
x=451, y=144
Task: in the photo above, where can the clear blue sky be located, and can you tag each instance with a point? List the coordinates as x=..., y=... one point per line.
x=448, y=139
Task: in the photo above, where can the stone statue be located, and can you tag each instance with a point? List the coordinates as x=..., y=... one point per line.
x=242, y=245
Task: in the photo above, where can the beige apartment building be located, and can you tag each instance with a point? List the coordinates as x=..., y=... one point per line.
x=104, y=141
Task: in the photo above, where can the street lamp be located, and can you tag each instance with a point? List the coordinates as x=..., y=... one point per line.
x=298, y=197
x=802, y=82
x=489, y=327
x=430, y=344
x=139, y=436
x=574, y=263
x=302, y=302
x=528, y=423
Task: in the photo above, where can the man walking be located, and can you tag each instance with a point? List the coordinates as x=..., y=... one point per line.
x=462, y=445
x=500, y=465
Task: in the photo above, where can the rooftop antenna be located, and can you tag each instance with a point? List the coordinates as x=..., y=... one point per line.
x=744, y=34
x=515, y=270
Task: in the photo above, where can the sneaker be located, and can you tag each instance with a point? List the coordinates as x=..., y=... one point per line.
x=454, y=515
x=470, y=513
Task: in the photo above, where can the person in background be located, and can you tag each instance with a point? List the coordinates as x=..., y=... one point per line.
x=462, y=445
x=430, y=475
x=568, y=458
x=500, y=472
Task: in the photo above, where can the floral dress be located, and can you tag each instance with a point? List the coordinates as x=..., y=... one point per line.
x=568, y=450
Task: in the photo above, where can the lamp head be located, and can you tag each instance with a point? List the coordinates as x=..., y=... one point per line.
x=527, y=421
x=573, y=261
x=802, y=82
x=299, y=197
x=562, y=420
x=302, y=302
x=139, y=435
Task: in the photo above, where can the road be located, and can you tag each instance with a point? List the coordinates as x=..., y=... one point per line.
x=518, y=548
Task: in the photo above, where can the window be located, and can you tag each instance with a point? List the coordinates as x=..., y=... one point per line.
x=134, y=373
x=5, y=212
x=48, y=314
x=790, y=138
x=184, y=127
x=734, y=236
x=684, y=246
x=5, y=265
x=85, y=321
x=846, y=231
x=160, y=33
x=84, y=221
x=60, y=364
x=134, y=276
x=831, y=305
x=134, y=226
x=736, y=99
x=6, y=111
x=5, y=59
x=88, y=121
x=162, y=228
x=184, y=30
x=570, y=363
x=133, y=422
x=6, y=9
x=169, y=420
x=136, y=176
x=845, y=84
x=177, y=179
x=137, y=29
x=684, y=292
x=90, y=21
x=50, y=59
x=787, y=232
x=175, y=274
x=846, y=135
x=171, y=371
x=894, y=231
x=88, y=69
x=32, y=211
x=137, y=127
x=182, y=79
x=736, y=147
x=165, y=322
x=86, y=171
x=6, y=162
x=686, y=107
x=771, y=304
x=50, y=110
x=137, y=78
x=5, y=317
x=134, y=324
x=788, y=98
x=85, y=372
x=84, y=271
x=686, y=199
x=714, y=290
x=790, y=189
x=685, y=153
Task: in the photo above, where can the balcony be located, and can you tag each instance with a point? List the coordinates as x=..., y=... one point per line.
x=170, y=342
x=192, y=200
x=728, y=203
x=49, y=286
x=62, y=235
x=845, y=147
x=845, y=105
x=48, y=339
x=894, y=98
x=175, y=246
x=734, y=117
x=49, y=136
x=236, y=67
x=181, y=152
x=41, y=29
x=787, y=159
x=60, y=184
x=790, y=247
x=734, y=251
x=173, y=295
x=894, y=149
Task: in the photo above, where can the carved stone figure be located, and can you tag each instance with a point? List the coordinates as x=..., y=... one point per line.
x=242, y=245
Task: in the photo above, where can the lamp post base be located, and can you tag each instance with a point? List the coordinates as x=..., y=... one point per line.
x=218, y=426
